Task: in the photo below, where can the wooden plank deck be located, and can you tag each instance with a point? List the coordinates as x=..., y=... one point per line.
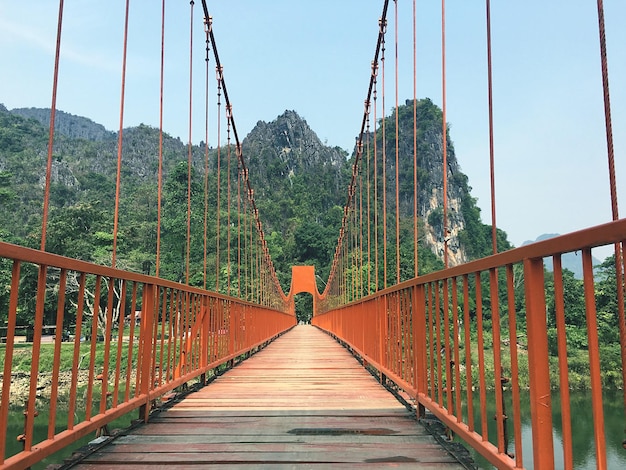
x=303, y=402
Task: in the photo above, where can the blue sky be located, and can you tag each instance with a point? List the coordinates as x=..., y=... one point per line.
x=314, y=57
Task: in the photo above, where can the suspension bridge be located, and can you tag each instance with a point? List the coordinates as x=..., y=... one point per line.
x=223, y=375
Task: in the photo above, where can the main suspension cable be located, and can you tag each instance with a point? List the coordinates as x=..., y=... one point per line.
x=238, y=149
x=370, y=93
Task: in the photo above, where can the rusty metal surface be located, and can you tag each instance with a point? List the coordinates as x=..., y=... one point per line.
x=304, y=400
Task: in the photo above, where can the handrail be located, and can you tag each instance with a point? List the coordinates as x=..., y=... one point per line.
x=430, y=336
x=167, y=335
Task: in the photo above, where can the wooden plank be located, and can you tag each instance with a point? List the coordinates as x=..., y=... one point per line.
x=304, y=400
x=283, y=466
x=284, y=455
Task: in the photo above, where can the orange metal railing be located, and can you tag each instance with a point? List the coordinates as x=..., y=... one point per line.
x=483, y=326
x=135, y=338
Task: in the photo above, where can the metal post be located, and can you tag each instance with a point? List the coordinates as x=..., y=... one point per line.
x=147, y=316
x=538, y=368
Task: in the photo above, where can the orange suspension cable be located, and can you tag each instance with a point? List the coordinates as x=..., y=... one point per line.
x=384, y=158
x=207, y=26
x=53, y=107
x=264, y=289
x=397, y=149
x=252, y=265
x=360, y=226
x=415, y=228
x=339, y=255
x=494, y=240
x=354, y=242
x=228, y=201
x=189, y=144
x=368, y=208
x=347, y=264
x=245, y=239
x=218, y=69
x=350, y=227
x=247, y=243
x=160, y=175
x=252, y=252
x=342, y=272
x=259, y=273
x=222, y=84
x=375, y=73
x=445, y=133
x=238, y=229
x=119, y=141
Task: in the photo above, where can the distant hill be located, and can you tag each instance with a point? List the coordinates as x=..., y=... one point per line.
x=571, y=261
x=300, y=188
x=74, y=127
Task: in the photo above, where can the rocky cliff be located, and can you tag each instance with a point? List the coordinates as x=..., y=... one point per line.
x=292, y=169
x=430, y=176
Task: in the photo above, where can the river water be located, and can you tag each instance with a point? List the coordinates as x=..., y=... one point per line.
x=582, y=430
x=584, y=452
x=16, y=427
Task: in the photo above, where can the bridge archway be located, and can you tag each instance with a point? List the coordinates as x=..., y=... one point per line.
x=303, y=305
x=303, y=280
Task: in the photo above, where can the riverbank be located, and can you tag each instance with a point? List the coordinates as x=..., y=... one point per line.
x=20, y=385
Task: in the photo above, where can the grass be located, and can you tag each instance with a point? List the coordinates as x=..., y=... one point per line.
x=22, y=356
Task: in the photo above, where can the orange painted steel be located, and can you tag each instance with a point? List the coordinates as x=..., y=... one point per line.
x=426, y=333
x=415, y=216
x=189, y=147
x=492, y=174
x=120, y=136
x=53, y=107
x=181, y=333
x=444, y=131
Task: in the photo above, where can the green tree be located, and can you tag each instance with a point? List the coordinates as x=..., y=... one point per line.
x=606, y=301
x=174, y=222
x=72, y=231
x=574, y=309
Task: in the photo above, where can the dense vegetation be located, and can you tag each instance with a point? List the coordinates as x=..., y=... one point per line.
x=300, y=188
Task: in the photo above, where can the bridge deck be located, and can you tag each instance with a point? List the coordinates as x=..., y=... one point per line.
x=304, y=400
